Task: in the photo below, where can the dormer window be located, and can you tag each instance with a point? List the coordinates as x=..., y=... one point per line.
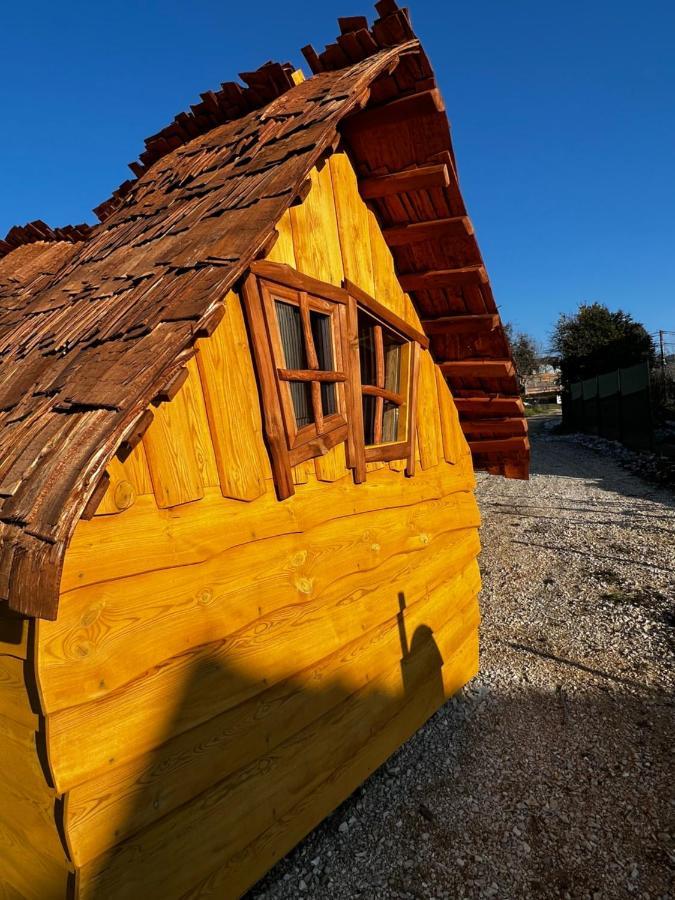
x=333, y=366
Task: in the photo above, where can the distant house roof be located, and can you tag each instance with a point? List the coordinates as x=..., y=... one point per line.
x=92, y=327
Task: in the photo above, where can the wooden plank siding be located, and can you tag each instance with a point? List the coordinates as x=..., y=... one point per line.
x=225, y=668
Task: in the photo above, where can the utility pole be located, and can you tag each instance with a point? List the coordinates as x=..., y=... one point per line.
x=662, y=351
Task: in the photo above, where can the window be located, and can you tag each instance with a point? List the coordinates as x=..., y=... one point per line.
x=333, y=366
x=388, y=359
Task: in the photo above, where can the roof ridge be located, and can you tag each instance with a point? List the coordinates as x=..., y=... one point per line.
x=355, y=43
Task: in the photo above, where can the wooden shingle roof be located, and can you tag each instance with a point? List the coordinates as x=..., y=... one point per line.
x=91, y=331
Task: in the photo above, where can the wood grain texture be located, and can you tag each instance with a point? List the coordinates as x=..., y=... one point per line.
x=242, y=871
x=268, y=650
x=428, y=415
x=352, y=221
x=168, y=615
x=231, y=395
x=221, y=822
x=172, y=455
x=98, y=811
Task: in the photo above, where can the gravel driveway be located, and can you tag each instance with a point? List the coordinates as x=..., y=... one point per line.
x=551, y=774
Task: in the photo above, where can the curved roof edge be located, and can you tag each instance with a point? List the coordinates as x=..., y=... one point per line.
x=88, y=348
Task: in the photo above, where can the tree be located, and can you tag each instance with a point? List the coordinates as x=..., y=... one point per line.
x=595, y=340
x=524, y=351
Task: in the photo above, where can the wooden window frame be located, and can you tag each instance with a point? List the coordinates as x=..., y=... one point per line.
x=405, y=399
x=289, y=445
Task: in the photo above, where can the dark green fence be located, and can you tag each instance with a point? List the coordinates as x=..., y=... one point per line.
x=616, y=406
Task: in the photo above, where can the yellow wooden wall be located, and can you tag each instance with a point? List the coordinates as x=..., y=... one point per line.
x=226, y=668
x=33, y=862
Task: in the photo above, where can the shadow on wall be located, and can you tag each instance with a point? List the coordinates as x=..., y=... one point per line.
x=212, y=808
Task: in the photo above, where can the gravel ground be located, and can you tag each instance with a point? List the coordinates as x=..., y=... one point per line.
x=550, y=774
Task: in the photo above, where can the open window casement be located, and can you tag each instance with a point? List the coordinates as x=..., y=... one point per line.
x=386, y=366
x=299, y=334
x=333, y=366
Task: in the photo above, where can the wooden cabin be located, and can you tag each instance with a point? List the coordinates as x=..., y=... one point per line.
x=239, y=421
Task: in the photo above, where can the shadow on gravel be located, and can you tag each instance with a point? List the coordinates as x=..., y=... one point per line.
x=534, y=793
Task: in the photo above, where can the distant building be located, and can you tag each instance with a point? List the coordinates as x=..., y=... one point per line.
x=543, y=386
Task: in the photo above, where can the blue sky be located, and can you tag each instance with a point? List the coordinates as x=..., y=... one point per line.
x=563, y=119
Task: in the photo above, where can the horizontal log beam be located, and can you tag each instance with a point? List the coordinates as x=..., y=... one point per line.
x=505, y=427
x=371, y=391
x=507, y=446
x=424, y=103
x=478, y=368
x=461, y=324
x=419, y=179
x=489, y=406
x=453, y=227
x=443, y=278
x=311, y=375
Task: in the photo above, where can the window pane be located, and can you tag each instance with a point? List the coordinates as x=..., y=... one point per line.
x=290, y=326
x=392, y=362
x=367, y=351
x=295, y=356
x=368, y=419
x=323, y=344
x=390, y=422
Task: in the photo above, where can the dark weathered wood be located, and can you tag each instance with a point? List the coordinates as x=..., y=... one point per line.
x=443, y=278
x=478, y=368
x=431, y=230
x=134, y=435
x=474, y=324
x=388, y=318
x=424, y=103
x=170, y=390
x=419, y=179
x=97, y=495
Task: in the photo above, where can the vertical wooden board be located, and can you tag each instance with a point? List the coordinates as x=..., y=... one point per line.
x=172, y=458
x=316, y=243
x=429, y=436
x=450, y=427
x=233, y=407
x=199, y=426
x=136, y=469
x=387, y=290
x=282, y=251
x=352, y=220
x=315, y=232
